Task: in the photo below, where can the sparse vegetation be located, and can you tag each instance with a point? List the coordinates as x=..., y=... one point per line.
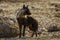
x=42, y=10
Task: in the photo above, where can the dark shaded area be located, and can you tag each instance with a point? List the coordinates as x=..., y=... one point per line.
x=6, y=31
x=1, y=10
x=6, y=36
x=53, y=29
x=57, y=15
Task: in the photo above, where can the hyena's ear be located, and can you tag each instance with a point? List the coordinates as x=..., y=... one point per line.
x=24, y=6
x=27, y=6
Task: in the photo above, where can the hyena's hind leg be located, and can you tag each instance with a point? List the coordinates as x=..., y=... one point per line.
x=36, y=34
x=33, y=34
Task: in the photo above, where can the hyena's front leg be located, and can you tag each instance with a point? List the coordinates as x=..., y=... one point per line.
x=20, y=29
x=24, y=30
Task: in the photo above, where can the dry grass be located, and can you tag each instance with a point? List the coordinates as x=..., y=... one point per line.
x=42, y=11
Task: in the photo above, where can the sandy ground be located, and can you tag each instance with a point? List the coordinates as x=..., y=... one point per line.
x=42, y=11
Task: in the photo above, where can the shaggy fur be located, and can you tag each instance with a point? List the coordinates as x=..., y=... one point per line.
x=33, y=25
x=29, y=22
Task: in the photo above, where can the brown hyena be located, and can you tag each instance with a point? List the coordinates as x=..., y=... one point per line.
x=21, y=18
x=28, y=21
